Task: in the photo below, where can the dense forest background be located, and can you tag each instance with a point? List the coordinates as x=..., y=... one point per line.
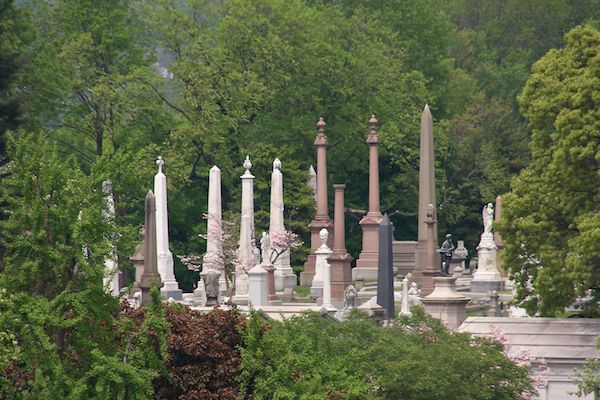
x=98, y=89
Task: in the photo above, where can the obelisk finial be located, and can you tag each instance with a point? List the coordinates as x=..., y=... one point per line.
x=160, y=162
x=321, y=126
x=247, y=164
x=276, y=164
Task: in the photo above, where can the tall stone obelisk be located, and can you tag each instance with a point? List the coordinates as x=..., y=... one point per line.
x=213, y=259
x=165, y=257
x=247, y=245
x=321, y=219
x=427, y=224
x=312, y=182
x=341, y=273
x=368, y=260
x=385, y=282
x=150, y=274
x=498, y=238
x=284, y=274
x=111, y=266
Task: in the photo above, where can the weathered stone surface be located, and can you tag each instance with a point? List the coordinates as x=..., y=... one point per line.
x=258, y=295
x=446, y=303
x=213, y=259
x=150, y=274
x=316, y=289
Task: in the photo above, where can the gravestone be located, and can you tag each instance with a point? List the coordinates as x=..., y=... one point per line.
x=385, y=275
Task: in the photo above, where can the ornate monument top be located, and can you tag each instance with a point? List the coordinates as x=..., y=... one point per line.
x=160, y=162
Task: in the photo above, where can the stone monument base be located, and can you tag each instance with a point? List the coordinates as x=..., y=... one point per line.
x=240, y=300
x=176, y=294
x=478, y=286
x=367, y=273
x=316, y=292
x=283, y=280
x=446, y=303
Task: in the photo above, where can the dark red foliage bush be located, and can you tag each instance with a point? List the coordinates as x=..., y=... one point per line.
x=204, y=360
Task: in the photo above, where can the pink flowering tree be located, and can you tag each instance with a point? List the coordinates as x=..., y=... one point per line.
x=523, y=358
x=227, y=258
x=281, y=241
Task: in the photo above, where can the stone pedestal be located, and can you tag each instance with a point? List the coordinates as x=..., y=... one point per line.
x=446, y=303
x=316, y=289
x=341, y=273
x=258, y=295
x=368, y=260
x=321, y=219
x=487, y=277
x=273, y=298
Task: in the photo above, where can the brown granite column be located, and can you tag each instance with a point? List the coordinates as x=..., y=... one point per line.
x=321, y=219
x=368, y=261
x=341, y=273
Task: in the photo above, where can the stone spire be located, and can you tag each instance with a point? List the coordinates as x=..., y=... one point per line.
x=497, y=216
x=321, y=219
x=284, y=274
x=111, y=266
x=341, y=273
x=366, y=266
x=150, y=274
x=426, y=174
x=165, y=257
x=212, y=260
x=385, y=281
x=247, y=244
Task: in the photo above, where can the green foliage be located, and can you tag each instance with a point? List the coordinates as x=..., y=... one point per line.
x=311, y=357
x=550, y=223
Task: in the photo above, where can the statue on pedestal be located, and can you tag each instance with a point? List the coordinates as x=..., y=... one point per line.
x=446, y=250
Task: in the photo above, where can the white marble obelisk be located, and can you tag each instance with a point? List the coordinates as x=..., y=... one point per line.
x=111, y=266
x=284, y=274
x=405, y=306
x=213, y=259
x=247, y=245
x=164, y=255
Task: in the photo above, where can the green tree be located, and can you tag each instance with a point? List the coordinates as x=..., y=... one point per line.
x=311, y=357
x=550, y=219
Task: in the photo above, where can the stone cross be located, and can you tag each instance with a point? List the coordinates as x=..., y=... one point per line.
x=367, y=263
x=284, y=274
x=247, y=243
x=150, y=274
x=385, y=280
x=341, y=273
x=321, y=219
x=111, y=266
x=165, y=257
